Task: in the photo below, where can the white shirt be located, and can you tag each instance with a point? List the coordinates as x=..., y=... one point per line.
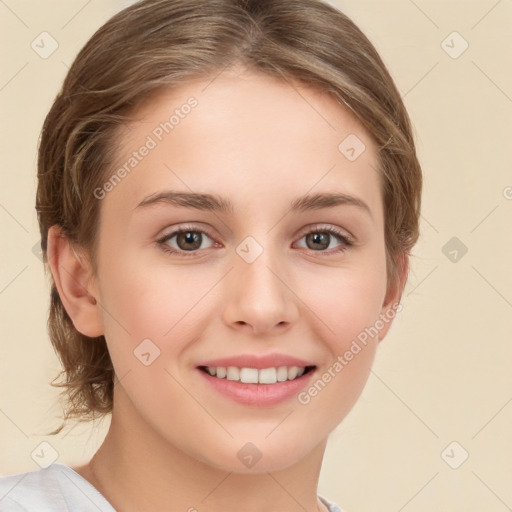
x=58, y=488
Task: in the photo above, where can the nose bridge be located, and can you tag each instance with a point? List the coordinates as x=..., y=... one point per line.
x=258, y=294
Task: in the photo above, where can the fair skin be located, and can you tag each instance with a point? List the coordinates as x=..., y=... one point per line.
x=173, y=441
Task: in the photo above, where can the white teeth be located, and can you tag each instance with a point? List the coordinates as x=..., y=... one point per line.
x=282, y=374
x=292, y=372
x=255, y=376
x=233, y=373
x=267, y=376
x=249, y=375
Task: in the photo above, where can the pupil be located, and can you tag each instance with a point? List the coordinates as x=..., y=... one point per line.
x=317, y=239
x=189, y=237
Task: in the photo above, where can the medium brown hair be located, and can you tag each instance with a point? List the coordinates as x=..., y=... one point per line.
x=158, y=44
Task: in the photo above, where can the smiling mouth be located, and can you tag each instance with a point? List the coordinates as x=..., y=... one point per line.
x=271, y=375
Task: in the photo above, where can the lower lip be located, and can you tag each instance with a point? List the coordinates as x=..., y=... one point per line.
x=258, y=394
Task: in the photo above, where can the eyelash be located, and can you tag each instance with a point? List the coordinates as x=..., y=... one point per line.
x=346, y=242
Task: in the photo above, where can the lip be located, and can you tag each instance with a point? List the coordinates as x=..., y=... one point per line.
x=258, y=362
x=258, y=395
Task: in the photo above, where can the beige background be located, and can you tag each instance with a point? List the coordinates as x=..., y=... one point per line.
x=444, y=372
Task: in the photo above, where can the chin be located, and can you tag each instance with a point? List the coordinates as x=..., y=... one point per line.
x=258, y=457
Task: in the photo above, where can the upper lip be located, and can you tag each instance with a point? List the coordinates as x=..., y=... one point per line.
x=259, y=362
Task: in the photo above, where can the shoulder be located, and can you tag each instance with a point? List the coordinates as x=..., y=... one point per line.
x=330, y=505
x=56, y=488
x=26, y=491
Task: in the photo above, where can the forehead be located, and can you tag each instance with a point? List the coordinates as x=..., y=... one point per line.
x=248, y=134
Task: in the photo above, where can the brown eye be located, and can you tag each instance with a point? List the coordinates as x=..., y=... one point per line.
x=189, y=240
x=320, y=239
x=185, y=241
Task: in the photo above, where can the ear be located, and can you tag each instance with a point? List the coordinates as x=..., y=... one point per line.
x=72, y=275
x=391, y=305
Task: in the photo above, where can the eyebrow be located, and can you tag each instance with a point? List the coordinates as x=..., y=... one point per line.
x=216, y=203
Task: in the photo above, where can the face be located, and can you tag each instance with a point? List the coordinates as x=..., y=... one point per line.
x=271, y=279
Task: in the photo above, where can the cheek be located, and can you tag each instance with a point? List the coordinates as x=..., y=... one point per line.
x=152, y=314
x=348, y=313
x=346, y=301
x=149, y=301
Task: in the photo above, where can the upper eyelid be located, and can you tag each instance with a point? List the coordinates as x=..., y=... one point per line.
x=306, y=230
x=173, y=232
x=323, y=226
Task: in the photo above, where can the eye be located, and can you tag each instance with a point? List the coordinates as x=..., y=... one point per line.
x=188, y=240
x=319, y=239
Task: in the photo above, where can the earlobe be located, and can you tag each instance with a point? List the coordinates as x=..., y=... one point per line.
x=396, y=288
x=72, y=274
x=391, y=305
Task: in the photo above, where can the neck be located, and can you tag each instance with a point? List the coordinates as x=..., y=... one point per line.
x=154, y=475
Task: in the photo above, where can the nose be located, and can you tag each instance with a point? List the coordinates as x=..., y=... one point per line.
x=259, y=296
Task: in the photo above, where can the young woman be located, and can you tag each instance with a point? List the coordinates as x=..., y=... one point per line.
x=228, y=195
